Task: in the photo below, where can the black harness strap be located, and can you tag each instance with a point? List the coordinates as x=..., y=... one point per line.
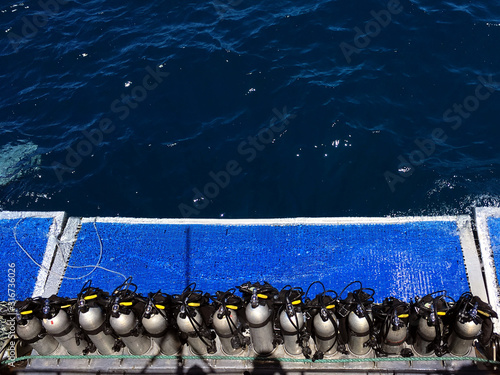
x=67, y=330
x=95, y=331
x=261, y=324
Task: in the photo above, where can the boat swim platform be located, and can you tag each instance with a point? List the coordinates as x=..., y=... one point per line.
x=396, y=256
x=401, y=257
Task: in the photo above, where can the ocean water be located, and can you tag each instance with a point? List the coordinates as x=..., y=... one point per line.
x=238, y=108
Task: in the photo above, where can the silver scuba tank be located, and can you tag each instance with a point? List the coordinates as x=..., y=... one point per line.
x=190, y=323
x=430, y=328
x=156, y=325
x=91, y=305
x=325, y=332
x=359, y=333
x=30, y=330
x=426, y=334
x=226, y=323
x=462, y=337
x=465, y=330
x=395, y=337
x=59, y=325
x=259, y=317
x=92, y=319
x=125, y=323
x=291, y=323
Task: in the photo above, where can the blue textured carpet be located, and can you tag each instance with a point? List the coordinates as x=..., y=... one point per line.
x=402, y=260
x=32, y=234
x=494, y=230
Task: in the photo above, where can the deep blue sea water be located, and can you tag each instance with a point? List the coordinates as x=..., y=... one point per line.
x=295, y=108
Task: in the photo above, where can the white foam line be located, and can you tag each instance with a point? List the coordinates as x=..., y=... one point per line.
x=492, y=284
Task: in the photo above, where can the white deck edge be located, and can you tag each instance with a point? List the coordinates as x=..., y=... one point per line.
x=285, y=221
x=482, y=214
x=62, y=256
x=59, y=218
x=471, y=258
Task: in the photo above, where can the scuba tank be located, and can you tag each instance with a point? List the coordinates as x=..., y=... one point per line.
x=292, y=322
x=355, y=323
x=259, y=315
x=157, y=322
x=426, y=318
x=56, y=313
x=471, y=316
x=90, y=310
x=227, y=324
x=125, y=309
x=192, y=313
x=322, y=322
x=29, y=328
x=325, y=332
x=391, y=319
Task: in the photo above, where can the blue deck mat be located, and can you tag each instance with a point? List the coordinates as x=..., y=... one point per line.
x=32, y=234
x=494, y=231
x=402, y=260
